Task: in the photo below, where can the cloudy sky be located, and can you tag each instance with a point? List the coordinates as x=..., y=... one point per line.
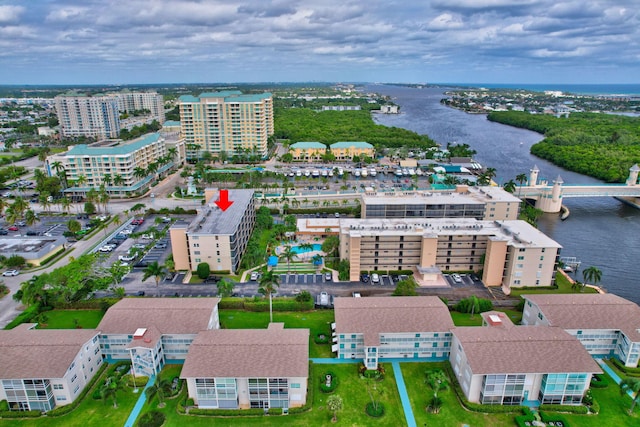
x=465, y=41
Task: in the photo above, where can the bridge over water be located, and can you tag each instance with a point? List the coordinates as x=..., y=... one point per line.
x=549, y=197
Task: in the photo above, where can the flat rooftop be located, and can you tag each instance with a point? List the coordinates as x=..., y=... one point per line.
x=29, y=245
x=120, y=148
x=518, y=233
x=213, y=220
x=481, y=195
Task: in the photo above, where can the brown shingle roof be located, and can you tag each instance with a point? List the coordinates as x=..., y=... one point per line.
x=590, y=311
x=40, y=353
x=168, y=315
x=372, y=316
x=523, y=349
x=242, y=353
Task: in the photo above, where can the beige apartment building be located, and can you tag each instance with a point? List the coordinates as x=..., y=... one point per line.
x=510, y=253
x=122, y=166
x=308, y=151
x=227, y=121
x=216, y=237
x=346, y=150
x=488, y=203
x=89, y=116
x=137, y=101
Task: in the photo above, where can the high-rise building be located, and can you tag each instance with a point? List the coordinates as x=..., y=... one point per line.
x=228, y=121
x=99, y=116
x=137, y=101
x=90, y=116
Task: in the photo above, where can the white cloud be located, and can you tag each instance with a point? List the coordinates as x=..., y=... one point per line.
x=10, y=13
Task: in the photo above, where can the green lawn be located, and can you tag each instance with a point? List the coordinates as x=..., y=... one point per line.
x=564, y=287
x=90, y=412
x=71, y=319
x=318, y=321
x=352, y=389
x=465, y=319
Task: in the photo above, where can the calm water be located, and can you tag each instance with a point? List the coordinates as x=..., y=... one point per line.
x=600, y=231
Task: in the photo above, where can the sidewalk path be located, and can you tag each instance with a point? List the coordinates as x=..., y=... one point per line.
x=139, y=404
x=404, y=397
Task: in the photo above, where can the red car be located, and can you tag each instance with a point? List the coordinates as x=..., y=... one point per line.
x=138, y=221
x=13, y=228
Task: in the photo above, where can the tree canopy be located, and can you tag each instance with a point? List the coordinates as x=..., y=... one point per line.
x=600, y=145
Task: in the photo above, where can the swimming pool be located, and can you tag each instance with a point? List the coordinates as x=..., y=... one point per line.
x=299, y=250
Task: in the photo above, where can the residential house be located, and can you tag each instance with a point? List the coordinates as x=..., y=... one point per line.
x=347, y=150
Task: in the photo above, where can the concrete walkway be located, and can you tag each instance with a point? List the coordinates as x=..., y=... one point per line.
x=404, y=397
x=140, y=403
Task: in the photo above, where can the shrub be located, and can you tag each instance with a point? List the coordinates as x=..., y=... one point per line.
x=323, y=383
x=227, y=412
x=20, y=414
x=374, y=411
x=633, y=372
x=599, y=381
x=203, y=270
x=304, y=296
x=152, y=419
x=26, y=316
x=274, y=411
x=4, y=406
x=321, y=338
x=189, y=402
x=572, y=409
x=595, y=407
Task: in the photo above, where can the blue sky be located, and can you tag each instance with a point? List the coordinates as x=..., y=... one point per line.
x=466, y=41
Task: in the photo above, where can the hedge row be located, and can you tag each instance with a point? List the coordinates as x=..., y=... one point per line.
x=62, y=410
x=227, y=412
x=633, y=372
x=20, y=414
x=262, y=304
x=527, y=419
x=26, y=316
x=89, y=304
x=571, y=409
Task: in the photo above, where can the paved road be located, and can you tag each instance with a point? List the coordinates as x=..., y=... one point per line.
x=9, y=308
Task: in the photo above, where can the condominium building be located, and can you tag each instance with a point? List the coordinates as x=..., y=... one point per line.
x=216, y=237
x=607, y=325
x=88, y=116
x=137, y=101
x=248, y=368
x=229, y=121
x=378, y=328
x=99, y=116
x=150, y=332
x=308, y=151
x=124, y=167
x=488, y=203
x=509, y=253
x=504, y=364
x=44, y=368
x=347, y=150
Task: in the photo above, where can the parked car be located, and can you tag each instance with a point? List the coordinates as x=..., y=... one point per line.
x=10, y=273
x=13, y=228
x=161, y=245
x=140, y=293
x=395, y=278
x=3, y=232
x=21, y=223
x=212, y=279
x=126, y=258
x=32, y=233
x=456, y=278
x=364, y=278
x=254, y=276
x=375, y=279
x=138, y=246
x=328, y=277
x=166, y=219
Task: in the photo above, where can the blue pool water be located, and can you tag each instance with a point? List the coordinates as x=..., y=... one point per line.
x=299, y=250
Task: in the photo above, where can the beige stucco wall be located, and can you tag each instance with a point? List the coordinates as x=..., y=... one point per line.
x=179, y=248
x=494, y=262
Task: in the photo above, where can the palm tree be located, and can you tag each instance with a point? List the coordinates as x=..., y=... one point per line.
x=521, y=178
x=269, y=282
x=632, y=385
x=11, y=215
x=509, y=186
x=20, y=205
x=306, y=247
x=592, y=274
x=157, y=271
x=3, y=205
x=161, y=388
x=118, y=180
x=107, y=179
x=103, y=198
x=109, y=390
x=61, y=172
x=74, y=226
x=30, y=217
x=65, y=204
x=139, y=173
x=288, y=254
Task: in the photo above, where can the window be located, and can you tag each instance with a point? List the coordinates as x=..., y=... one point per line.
x=74, y=377
x=58, y=386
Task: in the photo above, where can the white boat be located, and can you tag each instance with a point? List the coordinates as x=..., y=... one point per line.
x=412, y=172
x=373, y=172
x=292, y=174
x=405, y=172
x=315, y=173
x=398, y=172
x=307, y=173
x=419, y=172
x=325, y=172
x=331, y=172
x=356, y=172
x=364, y=172
x=298, y=173
x=340, y=172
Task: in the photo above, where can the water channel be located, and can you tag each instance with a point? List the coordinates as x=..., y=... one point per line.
x=602, y=232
